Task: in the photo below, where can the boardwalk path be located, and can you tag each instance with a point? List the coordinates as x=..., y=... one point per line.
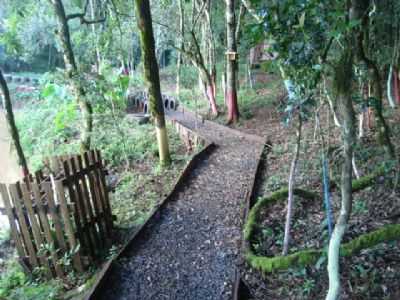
x=191, y=251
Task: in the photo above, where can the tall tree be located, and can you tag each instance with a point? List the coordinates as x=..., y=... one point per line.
x=151, y=74
x=7, y=105
x=181, y=46
x=291, y=183
x=344, y=89
x=231, y=92
x=361, y=14
x=72, y=70
x=192, y=51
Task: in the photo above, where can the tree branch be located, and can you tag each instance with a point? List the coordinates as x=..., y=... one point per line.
x=82, y=15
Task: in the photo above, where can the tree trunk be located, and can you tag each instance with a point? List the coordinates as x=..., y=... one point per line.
x=238, y=30
x=391, y=87
x=348, y=135
x=12, y=127
x=73, y=74
x=251, y=10
x=292, y=175
x=211, y=48
x=231, y=92
x=182, y=46
x=97, y=50
x=396, y=85
x=151, y=74
x=383, y=136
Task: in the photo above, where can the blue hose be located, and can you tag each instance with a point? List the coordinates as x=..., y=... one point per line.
x=327, y=196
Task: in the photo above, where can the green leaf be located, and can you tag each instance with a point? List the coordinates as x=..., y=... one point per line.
x=302, y=19
x=78, y=3
x=48, y=91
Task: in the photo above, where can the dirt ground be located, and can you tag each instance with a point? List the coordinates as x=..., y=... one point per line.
x=373, y=273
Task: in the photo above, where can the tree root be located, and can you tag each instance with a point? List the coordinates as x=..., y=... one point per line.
x=310, y=256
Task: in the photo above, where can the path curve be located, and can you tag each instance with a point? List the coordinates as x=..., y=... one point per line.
x=191, y=250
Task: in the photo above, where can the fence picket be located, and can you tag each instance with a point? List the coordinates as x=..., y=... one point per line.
x=53, y=212
x=91, y=205
x=68, y=227
x=47, y=229
x=79, y=199
x=13, y=226
x=24, y=224
x=97, y=203
x=37, y=233
x=101, y=184
x=78, y=215
x=63, y=210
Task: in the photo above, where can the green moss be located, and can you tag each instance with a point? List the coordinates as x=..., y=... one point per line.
x=310, y=256
x=281, y=194
x=272, y=264
x=368, y=240
x=367, y=180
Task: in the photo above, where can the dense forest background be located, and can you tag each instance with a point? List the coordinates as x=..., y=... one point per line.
x=319, y=81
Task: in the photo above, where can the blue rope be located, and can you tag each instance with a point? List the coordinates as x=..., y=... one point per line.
x=327, y=196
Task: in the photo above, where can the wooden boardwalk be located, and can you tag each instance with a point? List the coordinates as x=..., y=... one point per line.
x=191, y=250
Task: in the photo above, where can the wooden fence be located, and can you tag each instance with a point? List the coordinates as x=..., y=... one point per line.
x=60, y=219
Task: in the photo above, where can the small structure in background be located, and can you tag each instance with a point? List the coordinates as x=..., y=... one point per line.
x=138, y=108
x=261, y=53
x=60, y=219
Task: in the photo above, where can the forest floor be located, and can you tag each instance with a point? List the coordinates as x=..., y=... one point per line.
x=191, y=250
x=371, y=274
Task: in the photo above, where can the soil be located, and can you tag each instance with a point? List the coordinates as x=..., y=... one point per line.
x=371, y=274
x=309, y=220
x=191, y=250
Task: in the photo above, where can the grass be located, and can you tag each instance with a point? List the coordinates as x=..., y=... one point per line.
x=15, y=285
x=50, y=125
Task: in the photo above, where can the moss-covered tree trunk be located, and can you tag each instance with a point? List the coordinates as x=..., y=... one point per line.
x=343, y=85
x=151, y=74
x=73, y=73
x=231, y=92
x=7, y=105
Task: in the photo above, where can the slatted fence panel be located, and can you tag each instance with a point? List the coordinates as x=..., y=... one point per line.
x=62, y=211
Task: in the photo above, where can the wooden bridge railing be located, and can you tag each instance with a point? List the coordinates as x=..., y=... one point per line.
x=60, y=218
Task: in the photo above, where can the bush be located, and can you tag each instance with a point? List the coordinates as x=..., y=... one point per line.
x=14, y=285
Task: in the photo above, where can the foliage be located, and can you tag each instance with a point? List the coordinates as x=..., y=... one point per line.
x=15, y=285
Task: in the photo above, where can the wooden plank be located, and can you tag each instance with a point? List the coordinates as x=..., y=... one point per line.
x=97, y=185
x=47, y=187
x=11, y=219
x=103, y=188
x=24, y=226
x=47, y=229
x=91, y=206
x=81, y=233
x=78, y=197
x=69, y=230
x=37, y=233
x=103, y=179
x=98, y=207
x=85, y=204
